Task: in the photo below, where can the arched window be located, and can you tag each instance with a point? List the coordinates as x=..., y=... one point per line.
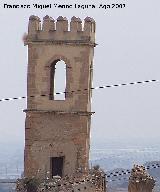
x=57, y=80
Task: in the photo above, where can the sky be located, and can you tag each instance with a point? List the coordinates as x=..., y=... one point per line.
x=128, y=50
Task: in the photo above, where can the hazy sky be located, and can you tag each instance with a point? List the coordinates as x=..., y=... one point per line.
x=128, y=50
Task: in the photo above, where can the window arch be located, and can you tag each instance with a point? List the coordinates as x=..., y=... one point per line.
x=57, y=80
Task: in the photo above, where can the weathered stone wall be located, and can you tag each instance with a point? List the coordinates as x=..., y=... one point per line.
x=94, y=182
x=140, y=180
x=53, y=135
x=58, y=128
x=78, y=60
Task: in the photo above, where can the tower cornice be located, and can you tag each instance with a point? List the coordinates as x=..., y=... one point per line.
x=86, y=113
x=60, y=42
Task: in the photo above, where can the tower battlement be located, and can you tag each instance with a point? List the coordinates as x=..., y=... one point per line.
x=61, y=31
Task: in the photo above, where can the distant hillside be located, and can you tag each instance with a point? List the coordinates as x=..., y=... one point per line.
x=120, y=183
x=7, y=187
x=154, y=172
x=117, y=183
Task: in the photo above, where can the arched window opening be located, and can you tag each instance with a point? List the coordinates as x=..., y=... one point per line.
x=57, y=80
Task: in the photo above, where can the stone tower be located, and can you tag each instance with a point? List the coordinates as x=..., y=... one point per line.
x=57, y=132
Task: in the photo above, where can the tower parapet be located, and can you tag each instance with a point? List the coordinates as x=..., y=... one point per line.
x=48, y=24
x=34, y=25
x=76, y=24
x=60, y=31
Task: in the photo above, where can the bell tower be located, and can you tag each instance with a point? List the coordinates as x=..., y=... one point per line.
x=57, y=132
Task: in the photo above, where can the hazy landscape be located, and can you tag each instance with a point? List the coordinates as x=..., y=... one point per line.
x=121, y=156
x=111, y=156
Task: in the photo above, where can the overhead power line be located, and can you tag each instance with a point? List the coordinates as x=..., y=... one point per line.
x=126, y=172
x=80, y=90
